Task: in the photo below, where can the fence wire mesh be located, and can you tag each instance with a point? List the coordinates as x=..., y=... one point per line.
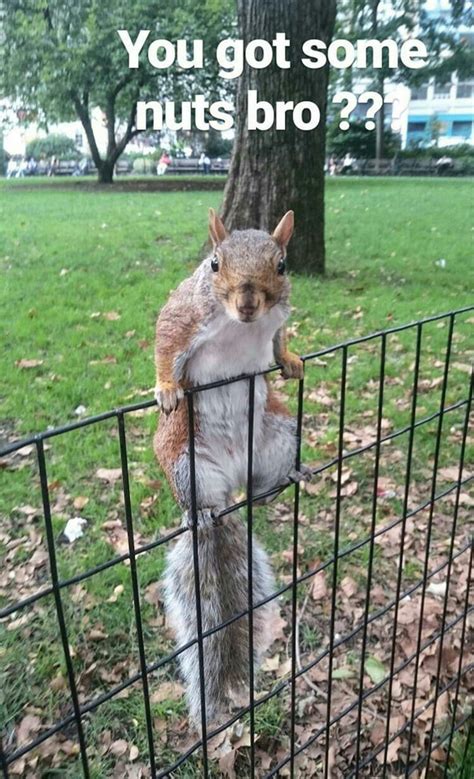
x=354, y=700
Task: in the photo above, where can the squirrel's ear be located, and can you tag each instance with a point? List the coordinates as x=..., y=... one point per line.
x=284, y=229
x=217, y=231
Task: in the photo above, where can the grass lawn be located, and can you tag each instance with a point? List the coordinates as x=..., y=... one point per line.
x=84, y=274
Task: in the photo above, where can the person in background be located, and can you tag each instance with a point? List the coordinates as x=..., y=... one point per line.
x=348, y=164
x=444, y=165
x=22, y=169
x=11, y=168
x=165, y=161
x=53, y=163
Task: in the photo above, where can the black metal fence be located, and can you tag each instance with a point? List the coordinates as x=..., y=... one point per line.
x=364, y=758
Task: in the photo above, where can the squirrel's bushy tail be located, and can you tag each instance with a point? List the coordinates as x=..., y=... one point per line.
x=223, y=573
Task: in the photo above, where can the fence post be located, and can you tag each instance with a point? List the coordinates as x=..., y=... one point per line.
x=340, y=452
x=197, y=582
x=59, y=605
x=136, y=591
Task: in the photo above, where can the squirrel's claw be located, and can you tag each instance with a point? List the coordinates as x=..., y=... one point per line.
x=205, y=518
x=168, y=397
x=303, y=473
x=292, y=366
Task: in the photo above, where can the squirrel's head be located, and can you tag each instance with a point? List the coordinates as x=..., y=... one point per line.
x=247, y=267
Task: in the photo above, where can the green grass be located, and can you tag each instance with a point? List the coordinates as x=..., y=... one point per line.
x=69, y=258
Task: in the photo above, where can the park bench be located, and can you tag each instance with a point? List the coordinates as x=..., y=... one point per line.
x=122, y=166
x=370, y=167
x=186, y=165
x=65, y=167
x=220, y=165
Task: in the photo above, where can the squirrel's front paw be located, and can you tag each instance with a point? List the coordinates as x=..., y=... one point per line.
x=292, y=367
x=168, y=396
x=303, y=473
x=205, y=518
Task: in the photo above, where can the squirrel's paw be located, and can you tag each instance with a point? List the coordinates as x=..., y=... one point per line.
x=205, y=518
x=303, y=473
x=168, y=396
x=292, y=366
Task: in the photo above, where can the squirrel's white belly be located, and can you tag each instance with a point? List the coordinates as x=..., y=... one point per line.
x=224, y=349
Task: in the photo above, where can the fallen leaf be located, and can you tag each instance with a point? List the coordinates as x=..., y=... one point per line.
x=109, y=359
x=112, y=316
x=343, y=673
x=461, y=366
x=118, y=590
x=348, y=586
x=109, y=474
x=346, y=474
x=24, y=363
x=168, y=691
x=226, y=764
x=318, y=587
x=284, y=668
x=375, y=669
x=80, y=502
x=97, y=634
x=271, y=663
x=27, y=728
x=134, y=752
x=119, y=747
x=451, y=473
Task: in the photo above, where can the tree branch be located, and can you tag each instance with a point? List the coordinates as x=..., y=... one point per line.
x=110, y=116
x=129, y=131
x=82, y=110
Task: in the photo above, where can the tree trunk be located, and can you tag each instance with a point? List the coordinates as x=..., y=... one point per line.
x=106, y=172
x=380, y=127
x=274, y=170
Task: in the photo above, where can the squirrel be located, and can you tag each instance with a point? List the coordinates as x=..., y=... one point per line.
x=225, y=320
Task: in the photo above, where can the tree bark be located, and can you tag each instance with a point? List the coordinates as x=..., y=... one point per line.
x=106, y=172
x=274, y=170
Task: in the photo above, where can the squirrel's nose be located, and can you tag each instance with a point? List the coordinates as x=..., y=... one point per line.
x=247, y=310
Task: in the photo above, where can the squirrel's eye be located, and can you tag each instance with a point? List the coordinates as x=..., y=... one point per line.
x=215, y=264
x=281, y=267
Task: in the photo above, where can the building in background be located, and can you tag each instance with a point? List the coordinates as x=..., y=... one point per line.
x=441, y=113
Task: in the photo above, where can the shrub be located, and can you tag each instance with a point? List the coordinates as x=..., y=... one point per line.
x=217, y=146
x=143, y=165
x=53, y=145
x=458, y=151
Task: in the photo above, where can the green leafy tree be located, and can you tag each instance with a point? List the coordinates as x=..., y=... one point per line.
x=53, y=145
x=62, y=59
x=217, y=146
x=359, y=142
